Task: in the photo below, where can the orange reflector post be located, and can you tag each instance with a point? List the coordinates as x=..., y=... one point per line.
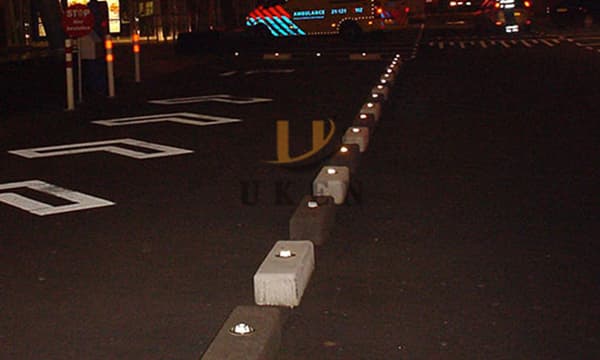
x=136, y=48
x=108, y=44
x=110, y=58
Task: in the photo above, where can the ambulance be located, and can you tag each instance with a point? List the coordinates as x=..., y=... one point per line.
x=348, y=18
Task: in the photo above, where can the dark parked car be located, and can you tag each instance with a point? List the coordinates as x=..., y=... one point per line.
x=576, y=12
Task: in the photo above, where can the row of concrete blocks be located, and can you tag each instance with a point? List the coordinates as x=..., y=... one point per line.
x=357, y=57
x=254, y=332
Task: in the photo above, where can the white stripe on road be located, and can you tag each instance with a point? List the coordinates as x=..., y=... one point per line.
x=79, y=201
x=547, y=42
x=441, y=45
x=462, y=44
x=504, y=43
x=524, y=42
x=483, y=44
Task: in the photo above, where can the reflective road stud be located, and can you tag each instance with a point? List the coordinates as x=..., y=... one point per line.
x=332, y=181
x=249, y=333
x=358, y=135
x=284, y=274
x=277, y=56
x=313, y=219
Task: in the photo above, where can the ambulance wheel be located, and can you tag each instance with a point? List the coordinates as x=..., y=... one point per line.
x=350, y=31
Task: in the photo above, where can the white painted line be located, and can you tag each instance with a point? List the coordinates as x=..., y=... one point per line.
x=535, y=41
x=222, y=98
x=556, y=41
x=483, y=44
x=547, y=42
x=80, y=201
x=514, y=42
x=269, y=71
x=493, y=42
x=570, y=40
x=589, y=48
x=441, y=44
x=106, y=146
x=462, y=44
x=181, y=118
x=524, y=42
x=228, y=73
x=504, y=43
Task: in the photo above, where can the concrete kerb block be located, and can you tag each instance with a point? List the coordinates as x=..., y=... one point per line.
x=365, y=56
x=371, y=108
x=348, y=155
x=249, y=333
x=363, y=120
x=313, y=219
x=389, y=78
x=358, y=135
x=284, y=274
x=332, y=181
x=381, y=90
x=277, y=56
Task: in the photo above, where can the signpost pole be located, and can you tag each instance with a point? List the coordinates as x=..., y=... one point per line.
x=69, y=74
x=79, y=70
x=110, y=71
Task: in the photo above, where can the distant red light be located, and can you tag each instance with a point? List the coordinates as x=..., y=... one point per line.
x=527, y=4
x=407, y=9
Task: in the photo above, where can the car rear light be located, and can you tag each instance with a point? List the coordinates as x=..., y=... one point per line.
x=379, y=10
x=528, y=22
x=498, y=23
x=527, y=4
x=407, y=9
x=497, y=5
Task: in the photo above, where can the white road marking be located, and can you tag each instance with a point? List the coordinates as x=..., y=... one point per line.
x=441, y=44
x=110, y=146
x=504, y=43
x=462, y=44
x=181, y=118
x=514, y=42
x=556, y=41
x=535, y=41
x=269, y=71
x=228, y=73
x=547, y=42
x=222, y=98
x=524, y=42
x=483, y=44
x=80, y=201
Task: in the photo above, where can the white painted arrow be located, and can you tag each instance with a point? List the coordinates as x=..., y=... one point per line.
x=181, y=117
x=79, y=200
x=110, y=146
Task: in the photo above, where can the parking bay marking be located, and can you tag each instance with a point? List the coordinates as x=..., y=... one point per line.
x=181, y=117
x=110, y=146
x=222, y=98
x=79, y=200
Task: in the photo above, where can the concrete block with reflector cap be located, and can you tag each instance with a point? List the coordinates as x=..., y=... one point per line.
x=348, y=155
x=313, y=219
x=381, y=90
x=371, y=109
x=277, y=56
x=358, y=135
x=332, y=181
x=284, y=274
x=365, y=56
x=389, y=78
x=249, y=333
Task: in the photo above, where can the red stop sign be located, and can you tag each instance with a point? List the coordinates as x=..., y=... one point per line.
x=77, y=21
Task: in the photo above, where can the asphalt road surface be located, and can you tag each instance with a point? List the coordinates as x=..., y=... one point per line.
x=472, y=235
